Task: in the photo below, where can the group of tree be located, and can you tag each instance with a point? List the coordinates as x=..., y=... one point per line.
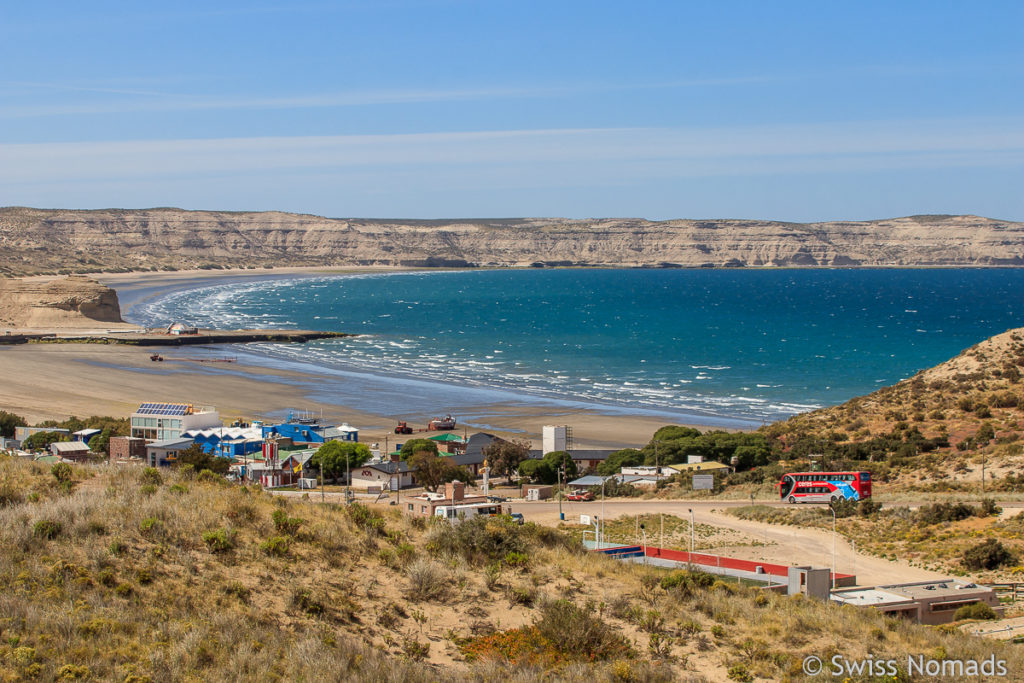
x=202, y=460
x=503, y=457
x=8, y=421
x=339, y=458
x=545, y=470
x=431, y=469
x=40, y=441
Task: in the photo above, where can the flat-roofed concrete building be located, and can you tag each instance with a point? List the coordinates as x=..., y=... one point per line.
x=928, y=602
x=165, y=421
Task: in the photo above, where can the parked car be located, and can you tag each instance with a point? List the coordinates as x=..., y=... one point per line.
x=517, y=517
x=580, y=495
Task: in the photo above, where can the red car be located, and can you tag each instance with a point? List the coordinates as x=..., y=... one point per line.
x=580, y=495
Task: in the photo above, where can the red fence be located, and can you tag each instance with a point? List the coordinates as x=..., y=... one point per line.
x=702, y=560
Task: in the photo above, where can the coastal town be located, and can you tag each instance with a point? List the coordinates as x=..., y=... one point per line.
x=436, y=473
x=504, y=342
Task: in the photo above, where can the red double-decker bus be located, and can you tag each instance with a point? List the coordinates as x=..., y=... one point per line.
x=824, y=487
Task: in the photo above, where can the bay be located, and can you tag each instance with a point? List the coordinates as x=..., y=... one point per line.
x=742, y=346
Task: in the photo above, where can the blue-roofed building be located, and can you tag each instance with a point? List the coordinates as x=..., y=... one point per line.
x=84, y=435
x=308, y=429
x=228, y=442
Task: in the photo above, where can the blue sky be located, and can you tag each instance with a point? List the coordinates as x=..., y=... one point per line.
x=402, y=108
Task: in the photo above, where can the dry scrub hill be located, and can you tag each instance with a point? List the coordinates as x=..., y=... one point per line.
x=133, y=575
x=952, y=417
x=112, y=240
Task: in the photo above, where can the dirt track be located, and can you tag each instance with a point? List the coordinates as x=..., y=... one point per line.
x=786, y=544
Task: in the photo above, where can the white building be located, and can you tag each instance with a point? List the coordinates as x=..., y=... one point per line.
x=554, y=438
x=166, y=421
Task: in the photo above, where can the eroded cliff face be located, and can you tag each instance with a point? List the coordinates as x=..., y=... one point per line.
x=35, y=241
x=74, y=301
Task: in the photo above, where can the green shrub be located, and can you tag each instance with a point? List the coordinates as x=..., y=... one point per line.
x=844, y=507
x=366, y=519
x=179, y=488
x=187, y=471
x=275, y=546
x=107, y=577
x=580, y=631
x=521, y=595
x=117, y=547
x=303, y=600
x=977, y=610
x=285, y=524
x=405, y=552
x=148, y=489
x=481, y=540
x=219, y=540
x=151, y=525
x=61, y=472
x=989, y=554
x=868, y=508
x=738, y=672
x=516, y=559
x=209, y=477
x=151, y=475
x=46, y=528
x=988, y=508
x=237, y=589
x=937, y=513
x=9, y=494
x=73, y=672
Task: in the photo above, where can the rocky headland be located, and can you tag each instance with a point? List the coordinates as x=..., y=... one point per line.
x=75, y=302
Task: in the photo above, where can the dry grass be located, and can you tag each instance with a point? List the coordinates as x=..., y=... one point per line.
x=129, y=590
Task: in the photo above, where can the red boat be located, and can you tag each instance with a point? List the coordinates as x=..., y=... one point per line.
x=440, y=423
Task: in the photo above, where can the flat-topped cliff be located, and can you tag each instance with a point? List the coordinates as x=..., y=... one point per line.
x=51, y=241
x=74, y=301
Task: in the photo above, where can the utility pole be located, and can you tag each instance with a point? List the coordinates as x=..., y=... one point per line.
x=323, y=496
x=690, y=557
x=561, y=515
x=833, y=511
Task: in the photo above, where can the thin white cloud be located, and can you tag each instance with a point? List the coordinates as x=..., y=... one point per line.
x=148, y=101
x=677, y=151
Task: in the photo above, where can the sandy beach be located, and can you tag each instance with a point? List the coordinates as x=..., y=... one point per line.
x=54, y=381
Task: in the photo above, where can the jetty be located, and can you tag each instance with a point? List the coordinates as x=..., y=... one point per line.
x=162, y=338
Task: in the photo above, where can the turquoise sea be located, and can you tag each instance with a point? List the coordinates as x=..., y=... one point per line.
x=736, y=347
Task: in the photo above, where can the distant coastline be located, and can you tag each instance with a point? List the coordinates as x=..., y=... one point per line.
x=161, y=239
